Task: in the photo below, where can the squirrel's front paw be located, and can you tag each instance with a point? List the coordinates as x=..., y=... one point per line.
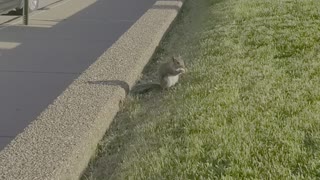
x=181, y=70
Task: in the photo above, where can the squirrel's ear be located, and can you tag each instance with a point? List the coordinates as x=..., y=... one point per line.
x=174, y=58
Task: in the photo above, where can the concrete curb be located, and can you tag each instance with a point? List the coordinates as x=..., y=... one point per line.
x=59, y=143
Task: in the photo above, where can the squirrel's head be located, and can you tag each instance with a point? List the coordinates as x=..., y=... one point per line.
x=178, y=62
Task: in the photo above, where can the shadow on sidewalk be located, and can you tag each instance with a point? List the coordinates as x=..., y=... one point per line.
x=118, y=83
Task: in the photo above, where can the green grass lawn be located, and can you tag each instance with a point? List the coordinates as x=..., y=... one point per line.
x=248, y=107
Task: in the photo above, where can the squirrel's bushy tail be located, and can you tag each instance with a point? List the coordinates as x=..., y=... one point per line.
x=144, y=88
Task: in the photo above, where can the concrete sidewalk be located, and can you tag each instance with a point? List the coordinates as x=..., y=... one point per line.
x=38, y=62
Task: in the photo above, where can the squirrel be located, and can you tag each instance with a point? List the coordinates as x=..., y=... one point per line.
x=168, y=73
